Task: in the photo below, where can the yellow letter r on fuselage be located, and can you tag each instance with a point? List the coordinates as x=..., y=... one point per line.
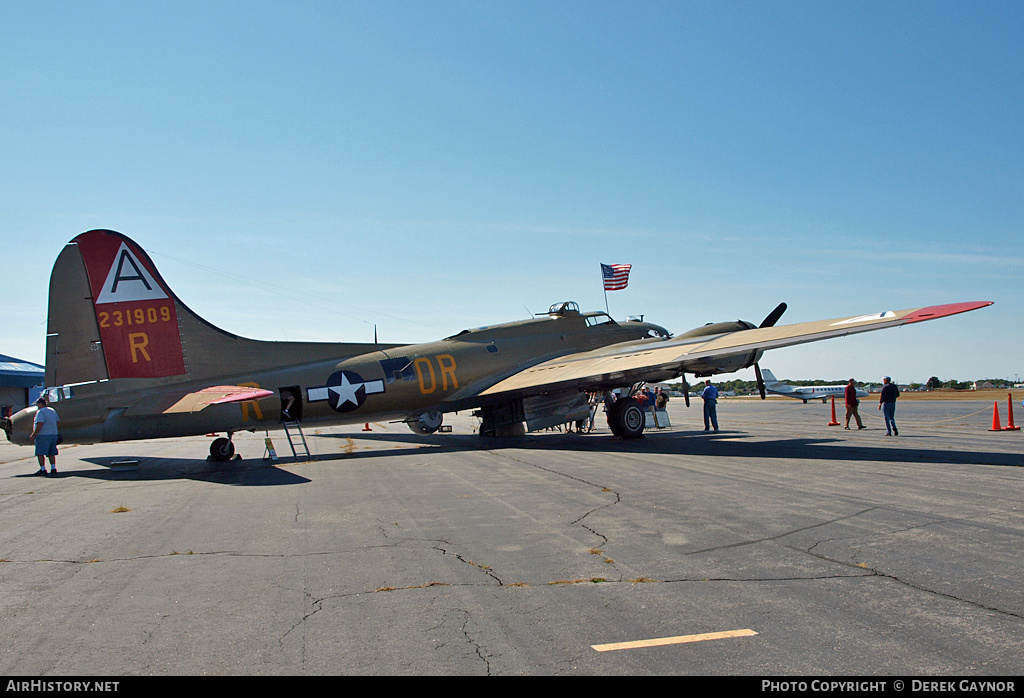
x=446, y=362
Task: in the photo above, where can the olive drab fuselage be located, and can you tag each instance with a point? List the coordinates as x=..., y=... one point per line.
x=394, y=383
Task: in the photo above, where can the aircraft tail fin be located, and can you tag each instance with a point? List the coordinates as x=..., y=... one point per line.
x=112, y=316
x=769, y=377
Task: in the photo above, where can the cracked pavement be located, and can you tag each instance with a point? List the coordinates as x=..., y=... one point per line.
x=448, y=555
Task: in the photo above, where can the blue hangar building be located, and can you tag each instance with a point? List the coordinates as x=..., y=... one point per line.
x=21, y=382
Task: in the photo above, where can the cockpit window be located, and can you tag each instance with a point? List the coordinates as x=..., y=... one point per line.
x=400, y=368
x=602, y=319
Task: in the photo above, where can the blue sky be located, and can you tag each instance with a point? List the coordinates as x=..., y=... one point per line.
x=308, y=170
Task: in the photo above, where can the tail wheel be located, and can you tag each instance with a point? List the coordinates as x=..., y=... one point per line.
x=627, y=419
x=222, y=449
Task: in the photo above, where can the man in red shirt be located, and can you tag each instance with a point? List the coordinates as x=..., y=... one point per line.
x=851, y=405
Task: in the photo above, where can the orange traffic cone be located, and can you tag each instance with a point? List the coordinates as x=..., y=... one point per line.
x=996, y=424
x=834, y=422
x=1009, y=418
x=366, y=427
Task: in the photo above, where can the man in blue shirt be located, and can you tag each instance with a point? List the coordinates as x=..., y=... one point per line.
x=710, y=396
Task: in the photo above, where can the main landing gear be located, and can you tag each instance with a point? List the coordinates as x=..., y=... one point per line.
x=626, y=418
x=222, y=449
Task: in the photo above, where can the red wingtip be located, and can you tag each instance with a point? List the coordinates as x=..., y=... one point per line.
x=936, y=311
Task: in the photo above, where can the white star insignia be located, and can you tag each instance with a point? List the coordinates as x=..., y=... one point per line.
x=346, y=392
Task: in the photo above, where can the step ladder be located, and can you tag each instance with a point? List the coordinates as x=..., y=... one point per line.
x=297, y=440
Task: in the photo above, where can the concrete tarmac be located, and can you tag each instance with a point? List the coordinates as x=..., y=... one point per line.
x=835, y=552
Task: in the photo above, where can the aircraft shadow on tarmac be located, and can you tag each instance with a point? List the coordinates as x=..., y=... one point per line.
x=245, y=473
x=724, y=444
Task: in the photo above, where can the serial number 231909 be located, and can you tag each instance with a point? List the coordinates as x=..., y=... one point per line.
x=137, y=316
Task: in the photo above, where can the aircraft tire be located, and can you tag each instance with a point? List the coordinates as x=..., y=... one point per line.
x=627, y=419
x=222, y=449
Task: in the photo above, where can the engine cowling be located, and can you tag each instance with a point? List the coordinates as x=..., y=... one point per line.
x=734, y=363
x=719, y=328
x=726, y=364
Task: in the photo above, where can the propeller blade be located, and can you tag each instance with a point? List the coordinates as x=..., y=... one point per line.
x=686, y=390
x=774, y=316
x=760, y=378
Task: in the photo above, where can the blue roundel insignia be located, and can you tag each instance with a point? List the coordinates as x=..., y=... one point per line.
x=346, y=390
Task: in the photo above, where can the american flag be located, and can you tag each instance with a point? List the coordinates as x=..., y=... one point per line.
x=616, y=276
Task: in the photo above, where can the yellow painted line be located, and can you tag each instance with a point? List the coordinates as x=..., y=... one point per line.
x=678, y=640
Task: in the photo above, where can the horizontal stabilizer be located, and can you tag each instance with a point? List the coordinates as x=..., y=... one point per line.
x=216, y=395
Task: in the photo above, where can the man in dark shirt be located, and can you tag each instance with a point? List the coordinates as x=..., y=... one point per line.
x=851, y=404
x=887, y=403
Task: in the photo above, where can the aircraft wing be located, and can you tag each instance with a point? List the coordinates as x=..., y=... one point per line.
x=626, y=363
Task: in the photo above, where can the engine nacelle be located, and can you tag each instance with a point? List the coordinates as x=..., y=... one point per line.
x=719, y=328
x=722, y=364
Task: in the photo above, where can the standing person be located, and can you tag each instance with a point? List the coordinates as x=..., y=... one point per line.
x=710, y=396
x=44, y=433
x=851, y=404
x=595, y=400
x=661, y=399
x=887, y=403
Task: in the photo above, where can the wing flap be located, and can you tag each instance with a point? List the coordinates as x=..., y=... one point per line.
x=629, y=361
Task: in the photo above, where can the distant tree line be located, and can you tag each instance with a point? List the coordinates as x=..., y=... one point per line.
x=741, y=387
x=935, y=383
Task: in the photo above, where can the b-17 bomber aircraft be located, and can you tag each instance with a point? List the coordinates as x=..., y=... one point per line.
x=126, y=359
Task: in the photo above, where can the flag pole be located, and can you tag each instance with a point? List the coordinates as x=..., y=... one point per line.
x=605, y=287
